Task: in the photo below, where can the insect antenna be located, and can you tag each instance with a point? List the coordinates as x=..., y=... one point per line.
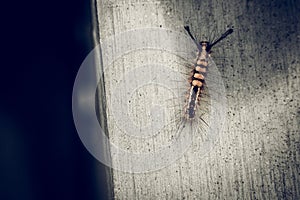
x=224, y=35
x=187, y=28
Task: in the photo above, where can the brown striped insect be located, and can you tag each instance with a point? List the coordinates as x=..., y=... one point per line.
x=197, y=80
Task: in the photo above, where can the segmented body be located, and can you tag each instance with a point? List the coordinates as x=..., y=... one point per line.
x=197, y=81
x=199, y=72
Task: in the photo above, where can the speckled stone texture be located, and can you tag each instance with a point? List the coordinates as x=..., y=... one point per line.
x=257, y=157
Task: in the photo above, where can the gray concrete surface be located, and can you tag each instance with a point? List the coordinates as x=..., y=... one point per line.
x=257, y=156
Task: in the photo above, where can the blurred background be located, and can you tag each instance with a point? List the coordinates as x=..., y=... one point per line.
x=43, y=45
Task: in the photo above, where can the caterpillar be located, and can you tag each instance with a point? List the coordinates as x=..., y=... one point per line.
x=197, y=80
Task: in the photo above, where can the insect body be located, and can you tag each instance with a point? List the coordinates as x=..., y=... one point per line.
x=197, y=81
x=199, y=72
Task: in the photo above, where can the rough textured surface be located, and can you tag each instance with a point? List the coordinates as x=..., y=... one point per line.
x=257, y=157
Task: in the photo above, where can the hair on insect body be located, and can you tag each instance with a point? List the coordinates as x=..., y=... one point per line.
x=199, y=72
x=200, y=112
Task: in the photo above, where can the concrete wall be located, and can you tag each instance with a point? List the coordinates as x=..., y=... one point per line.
x=257, y=156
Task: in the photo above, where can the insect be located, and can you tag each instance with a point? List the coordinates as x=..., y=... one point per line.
x=197, y=80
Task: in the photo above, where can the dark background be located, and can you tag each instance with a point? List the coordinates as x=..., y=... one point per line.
x=43, y=44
